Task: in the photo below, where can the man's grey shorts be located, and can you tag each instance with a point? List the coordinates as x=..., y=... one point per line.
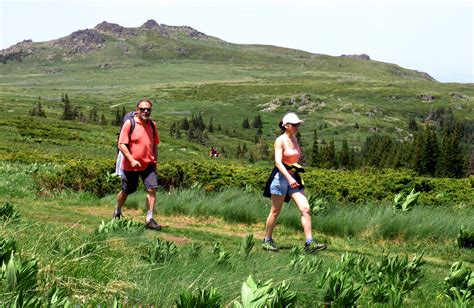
x=130, y=179
x=281, y=187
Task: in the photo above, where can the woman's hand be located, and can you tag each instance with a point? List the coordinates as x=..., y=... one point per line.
x=293, y=183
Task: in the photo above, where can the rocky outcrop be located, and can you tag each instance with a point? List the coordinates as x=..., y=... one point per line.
x=81, y=41
x=109, y=27
x=150, y=24
x=360, y=57
x=194, y=33
x=168, y=31
x=17, y=52
x=427, y=98
x=304, y=103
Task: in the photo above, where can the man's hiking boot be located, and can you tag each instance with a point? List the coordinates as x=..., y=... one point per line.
x=269, y=246
x=314, y=247
x=117, y=215
x=152, y=225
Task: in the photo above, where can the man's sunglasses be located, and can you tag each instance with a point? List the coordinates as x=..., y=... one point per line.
x=145, y=109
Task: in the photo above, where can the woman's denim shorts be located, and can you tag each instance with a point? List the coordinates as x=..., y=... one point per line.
x=281, y=187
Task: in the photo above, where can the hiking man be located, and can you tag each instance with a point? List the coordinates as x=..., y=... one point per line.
x=138, y=142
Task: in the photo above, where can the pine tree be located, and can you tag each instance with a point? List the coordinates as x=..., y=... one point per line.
x=93, y=118
x=200, y=122
x=118, y=117
x=38, y=111
x=432, y=152
x=68, y=111
x=210, y=127
x=258, y=135
x=315, y=158
x=238, y=152
x=245, y=123
x=103, y=120
x=332, y=155
x=257, y=122
x=244, y=149
x=185, y=124
x=344, y=156
x=426, y=152
x=412, y=125
x=453, y=163
x=262, y=149
x=325, y=157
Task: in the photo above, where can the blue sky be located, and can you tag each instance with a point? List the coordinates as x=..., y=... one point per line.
x=433, y=36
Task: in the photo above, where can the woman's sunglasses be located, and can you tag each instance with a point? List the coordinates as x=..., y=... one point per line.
x=295, y=125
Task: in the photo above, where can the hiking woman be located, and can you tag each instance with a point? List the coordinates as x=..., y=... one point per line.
x=285, y=183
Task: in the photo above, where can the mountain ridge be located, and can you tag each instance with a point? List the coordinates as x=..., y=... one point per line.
x=155, y=41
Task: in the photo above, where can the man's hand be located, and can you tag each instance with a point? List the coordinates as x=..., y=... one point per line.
x=135, y=163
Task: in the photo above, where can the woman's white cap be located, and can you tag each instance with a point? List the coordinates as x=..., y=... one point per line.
x=291, y=118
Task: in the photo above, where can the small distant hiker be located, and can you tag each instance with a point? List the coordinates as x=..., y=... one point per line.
x=138, y=142
x=285, y=183
x=213, y=152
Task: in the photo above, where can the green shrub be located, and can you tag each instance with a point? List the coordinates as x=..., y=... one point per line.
x=339, y=289
x=119, y=225
x=246, y=245
x=256, y=294
x=161, y=251
x=344, y=186
x=207, y=298
x=465, y=238
x=410, y=201
x=7, y=248
x=459, y=285
x=7, y=211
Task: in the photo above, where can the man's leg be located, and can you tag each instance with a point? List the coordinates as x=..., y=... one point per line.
x=121, y=198
x=150, y=203
x=150, y=180
x=129, y=185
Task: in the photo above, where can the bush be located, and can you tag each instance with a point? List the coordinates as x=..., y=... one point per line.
x=465, y=238
x=344, y=186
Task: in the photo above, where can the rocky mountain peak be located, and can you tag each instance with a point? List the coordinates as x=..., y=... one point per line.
x=150, y=24
x=109, y=27
x=81, y=41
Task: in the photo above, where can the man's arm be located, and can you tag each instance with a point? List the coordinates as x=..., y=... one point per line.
x=126, y=152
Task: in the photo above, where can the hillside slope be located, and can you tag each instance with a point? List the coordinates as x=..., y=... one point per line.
x=110, y=45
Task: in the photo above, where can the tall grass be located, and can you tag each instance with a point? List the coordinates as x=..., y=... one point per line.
x=96, y=269
x=377, y=221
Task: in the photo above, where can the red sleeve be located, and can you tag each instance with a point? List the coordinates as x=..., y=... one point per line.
x=124, y=133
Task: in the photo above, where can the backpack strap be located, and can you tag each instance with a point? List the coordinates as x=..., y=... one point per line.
x=132, y=127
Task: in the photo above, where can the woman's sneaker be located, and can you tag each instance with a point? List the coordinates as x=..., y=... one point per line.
x=269, y=245
x=313, y=247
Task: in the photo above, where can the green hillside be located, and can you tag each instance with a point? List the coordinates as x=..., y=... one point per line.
x=187, y=72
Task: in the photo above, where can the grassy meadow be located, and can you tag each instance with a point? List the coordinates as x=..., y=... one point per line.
x=59, y=246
